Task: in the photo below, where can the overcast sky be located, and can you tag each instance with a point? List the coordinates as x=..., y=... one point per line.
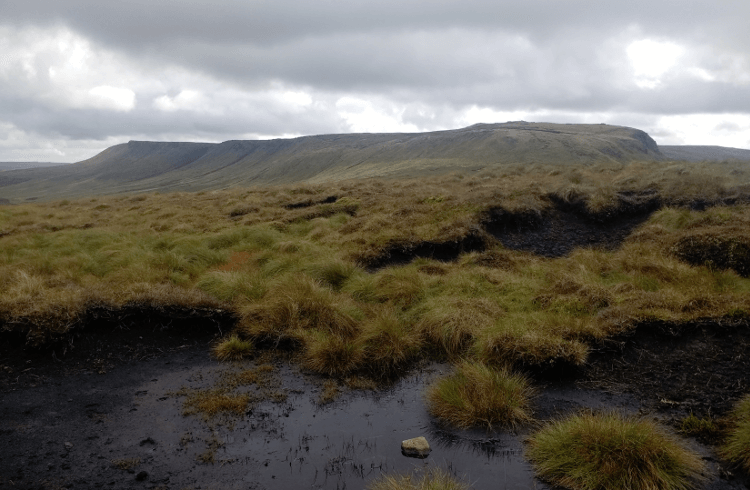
x=77, y=76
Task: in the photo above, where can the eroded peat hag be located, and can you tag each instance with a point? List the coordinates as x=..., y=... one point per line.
x=566, y=225
x=700, y=367
x=400, y=253
x=309, y=202
x=104, y=338
x=554, y=229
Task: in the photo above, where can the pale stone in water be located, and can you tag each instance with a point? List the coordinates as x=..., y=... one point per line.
x=417, y=447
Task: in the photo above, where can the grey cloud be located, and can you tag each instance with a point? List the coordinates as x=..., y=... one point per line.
x=97, y=124
x=432, y=58
x=140, y=23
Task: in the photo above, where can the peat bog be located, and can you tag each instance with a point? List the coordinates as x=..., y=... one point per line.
x=128, y=412
x=361, y=295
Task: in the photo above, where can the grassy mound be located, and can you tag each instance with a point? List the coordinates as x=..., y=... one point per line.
x=433, y=480
x=737, y=446
x=232, y=348
x=596, y=451
x=476, y=394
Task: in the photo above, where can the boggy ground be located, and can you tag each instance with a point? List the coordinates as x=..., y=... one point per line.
x=702, y=367
x=77, y=423
x=92, y=282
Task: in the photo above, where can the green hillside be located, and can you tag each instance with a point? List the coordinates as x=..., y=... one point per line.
x=143, y=166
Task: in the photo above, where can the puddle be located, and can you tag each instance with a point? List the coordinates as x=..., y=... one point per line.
x=358, y=437
x=130, y=414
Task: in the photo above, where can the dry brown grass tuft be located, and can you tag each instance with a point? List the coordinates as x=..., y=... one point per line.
x=232, y=348
x=329, y=393
x=332, y=354
x=478, y=395
x=390, y=343
x=294, y=306
x=126, y=463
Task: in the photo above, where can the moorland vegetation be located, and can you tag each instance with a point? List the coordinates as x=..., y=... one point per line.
x=340, y=274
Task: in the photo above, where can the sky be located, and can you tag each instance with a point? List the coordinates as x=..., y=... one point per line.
x=78, y=76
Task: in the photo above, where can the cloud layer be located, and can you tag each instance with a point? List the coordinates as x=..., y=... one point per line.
x=80, y=75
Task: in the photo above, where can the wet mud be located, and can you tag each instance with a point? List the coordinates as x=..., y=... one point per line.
x=701, y=367
x=124, y=427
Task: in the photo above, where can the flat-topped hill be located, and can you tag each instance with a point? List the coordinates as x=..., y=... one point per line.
x=140, y=166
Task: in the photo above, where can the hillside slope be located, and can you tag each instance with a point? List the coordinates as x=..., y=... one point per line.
x=141, y=166
x=691, y=153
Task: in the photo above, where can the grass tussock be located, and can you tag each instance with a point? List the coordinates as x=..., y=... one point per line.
x=332, y=354
x=431, y=480
x=232, y=348
x=478, y=395
x=390, y=343
x=295, y=306
x=612, y=451
x=737, y=445
x=452, y=324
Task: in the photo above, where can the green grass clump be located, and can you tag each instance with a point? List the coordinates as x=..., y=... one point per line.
x=478, y=395
x=737, y=446
x=612, y=451
x=696, y=426
x=331, y=354
x=233, y=348
x=432, y=480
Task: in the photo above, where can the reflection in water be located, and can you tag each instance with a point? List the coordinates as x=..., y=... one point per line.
x=299, y=444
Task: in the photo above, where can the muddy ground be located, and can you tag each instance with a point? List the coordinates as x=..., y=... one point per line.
x=69, y=423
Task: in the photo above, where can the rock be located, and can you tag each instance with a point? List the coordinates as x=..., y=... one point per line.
x=141, y=476
x=68, y=446
x=415, y=448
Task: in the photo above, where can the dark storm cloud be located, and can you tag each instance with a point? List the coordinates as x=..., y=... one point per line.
x=426, y=62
